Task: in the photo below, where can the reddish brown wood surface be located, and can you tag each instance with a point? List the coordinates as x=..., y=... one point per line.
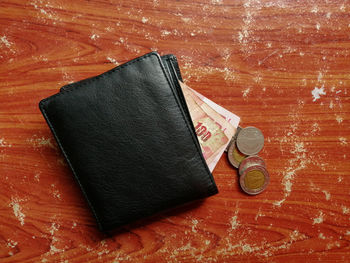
x=259, y=59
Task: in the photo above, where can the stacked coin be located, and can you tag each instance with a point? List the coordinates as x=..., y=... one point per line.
x=242, y=154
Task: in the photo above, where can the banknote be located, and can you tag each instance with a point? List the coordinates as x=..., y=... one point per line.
x=214, y=125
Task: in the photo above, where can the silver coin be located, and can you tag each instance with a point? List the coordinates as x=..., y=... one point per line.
x=250, y=141
x=250, y=161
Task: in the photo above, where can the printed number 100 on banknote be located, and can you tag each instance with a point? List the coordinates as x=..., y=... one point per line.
x=214, y=125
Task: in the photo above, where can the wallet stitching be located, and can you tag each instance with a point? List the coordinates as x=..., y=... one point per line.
x=212, y=186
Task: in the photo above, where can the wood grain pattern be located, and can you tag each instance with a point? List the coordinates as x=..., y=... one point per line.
x=259, y=59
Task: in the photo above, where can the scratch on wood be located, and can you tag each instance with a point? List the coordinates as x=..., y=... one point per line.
x=321, y=236
x=112, y=60
x=343, y=141
x=327, y=194
x=4, y=41
x=3, y=143
x=194, y=225
x=345, y=210
x=319, y=219
x=41, y=142
x=317, y=92
x=53, y=245
x=299, y=162
x=17, y=209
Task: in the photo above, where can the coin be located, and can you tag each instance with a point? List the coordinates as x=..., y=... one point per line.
x=250, y=140
x=235, y=157
x=234, y=138
x=254, y=179
x=250, y=161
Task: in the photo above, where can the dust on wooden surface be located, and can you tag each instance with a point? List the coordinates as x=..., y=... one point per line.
x=282, y=66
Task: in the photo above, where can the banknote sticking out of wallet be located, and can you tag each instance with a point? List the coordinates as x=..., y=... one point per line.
x=130, y=142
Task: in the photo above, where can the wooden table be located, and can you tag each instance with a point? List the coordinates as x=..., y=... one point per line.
x=282, y=66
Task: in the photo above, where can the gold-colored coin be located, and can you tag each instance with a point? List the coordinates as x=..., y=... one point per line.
x=235, y=157
x=254, y=179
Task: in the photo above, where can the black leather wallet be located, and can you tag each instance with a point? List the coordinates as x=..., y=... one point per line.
x=129, y=140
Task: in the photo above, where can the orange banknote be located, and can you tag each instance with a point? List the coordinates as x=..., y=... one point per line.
x=214, y=125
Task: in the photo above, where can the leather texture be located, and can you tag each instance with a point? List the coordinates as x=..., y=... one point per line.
x=129, y=142
x=172, y=70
